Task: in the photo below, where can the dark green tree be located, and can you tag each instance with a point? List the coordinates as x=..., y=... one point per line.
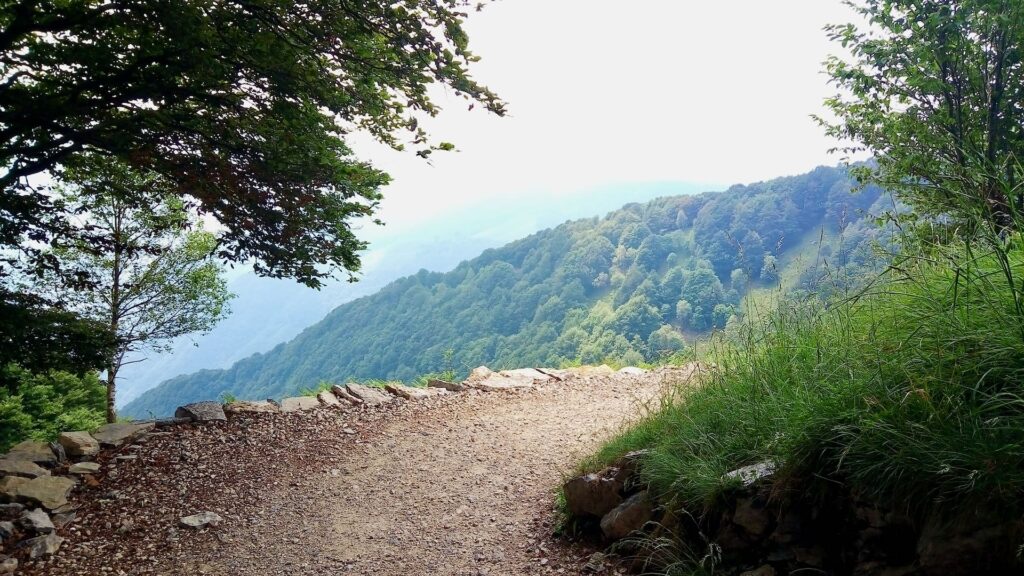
x=934, y=91
x=242, y=106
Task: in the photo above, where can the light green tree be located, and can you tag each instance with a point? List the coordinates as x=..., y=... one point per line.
x=933, y=91
x=137, y=265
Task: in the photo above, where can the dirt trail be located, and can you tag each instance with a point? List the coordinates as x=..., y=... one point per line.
x=460, y=485
x=465, y=489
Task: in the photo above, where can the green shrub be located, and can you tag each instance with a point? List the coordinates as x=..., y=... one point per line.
x=41, y=406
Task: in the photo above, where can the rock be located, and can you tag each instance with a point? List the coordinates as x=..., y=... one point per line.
x=47, y=491
x=969, y=546
x=8, y=565
x=6, y=531
x=765, y=570
x=629, y=463
x=328, y=398
x=9, y=487
x=627, y=517
x=62, y=520
x=593, y=494
x=119, y=433
x=752, y=516
x=299, y=404
x=84, y=468
x=36, y=521
x=79, y=444
x=479, y=373
x=445, y=385
x=202, y=412
x=38, y=452
x=23, y=468
x=407, y=392
x=586, y=371
x=369, y=395
x=595, y=563
x=43, y=546
x=201, y=520
x=748, y=475
x=632, y=371
x=340, y=392
x=249, y=406
x=510, y=379
x=11, y=510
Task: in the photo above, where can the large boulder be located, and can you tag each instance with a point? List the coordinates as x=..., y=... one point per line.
x=50, y=492
x=249, y=406
x=627, y=517
x=202, y=412
x=369, y=395
x=299, y=404
x=79, y=444
x=32, y=451
x=117, y=434
x=23, y=468
x=593, y=494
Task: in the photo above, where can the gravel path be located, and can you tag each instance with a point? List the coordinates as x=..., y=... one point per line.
x=459, y=485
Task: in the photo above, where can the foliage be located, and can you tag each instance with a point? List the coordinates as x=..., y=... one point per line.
x=40, y=337
x=534, y=302
x=241, y=106
x=139, y=269
x=42, y=405
x=933, y=92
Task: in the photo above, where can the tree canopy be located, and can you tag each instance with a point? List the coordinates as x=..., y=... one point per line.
x=934, y=91
x=242, y=106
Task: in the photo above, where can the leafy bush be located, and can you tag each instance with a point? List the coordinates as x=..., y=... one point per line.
x=41, y=406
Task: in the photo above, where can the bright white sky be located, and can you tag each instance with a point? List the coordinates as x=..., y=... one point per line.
x=609, y=92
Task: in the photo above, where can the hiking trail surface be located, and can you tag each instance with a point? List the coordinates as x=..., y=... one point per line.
x=462, y=484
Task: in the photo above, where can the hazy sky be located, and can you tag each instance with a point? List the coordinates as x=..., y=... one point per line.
x=607, y=92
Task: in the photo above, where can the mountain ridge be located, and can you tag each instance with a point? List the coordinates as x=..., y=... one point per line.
x=625, y=287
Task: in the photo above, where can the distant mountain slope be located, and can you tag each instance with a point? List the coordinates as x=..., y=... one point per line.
x=268, y=311
x=627, y=287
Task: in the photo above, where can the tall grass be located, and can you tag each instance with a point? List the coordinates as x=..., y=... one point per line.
x=910, y=393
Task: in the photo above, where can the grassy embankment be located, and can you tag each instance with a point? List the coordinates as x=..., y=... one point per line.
x=911, y=393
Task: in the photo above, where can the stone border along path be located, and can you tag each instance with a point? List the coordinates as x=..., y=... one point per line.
x=456, y=478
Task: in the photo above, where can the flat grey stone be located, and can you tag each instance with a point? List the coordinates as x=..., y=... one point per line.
x=43, y=546
x=201, y=520
x=9, y=487
x=445, y=385
x=369, y=395
x=23, y=468
x=407, y=392
x=8, y=565
x=202, y=412
x=38, y=452
x=299, y=404
x=84, y=468
x=36, y=521
x=342, y=393
x=748, y=475
x=50, y=492
x=120, y=433
x=79, y=444
x=328, y=398
x=249, y=406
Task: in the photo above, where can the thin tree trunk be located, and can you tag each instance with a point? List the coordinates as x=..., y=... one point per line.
x=111, y=394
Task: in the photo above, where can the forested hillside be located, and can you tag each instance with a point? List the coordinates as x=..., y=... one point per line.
x=629, y=287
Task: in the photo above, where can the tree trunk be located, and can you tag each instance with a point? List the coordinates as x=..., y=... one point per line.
x=111, y=393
